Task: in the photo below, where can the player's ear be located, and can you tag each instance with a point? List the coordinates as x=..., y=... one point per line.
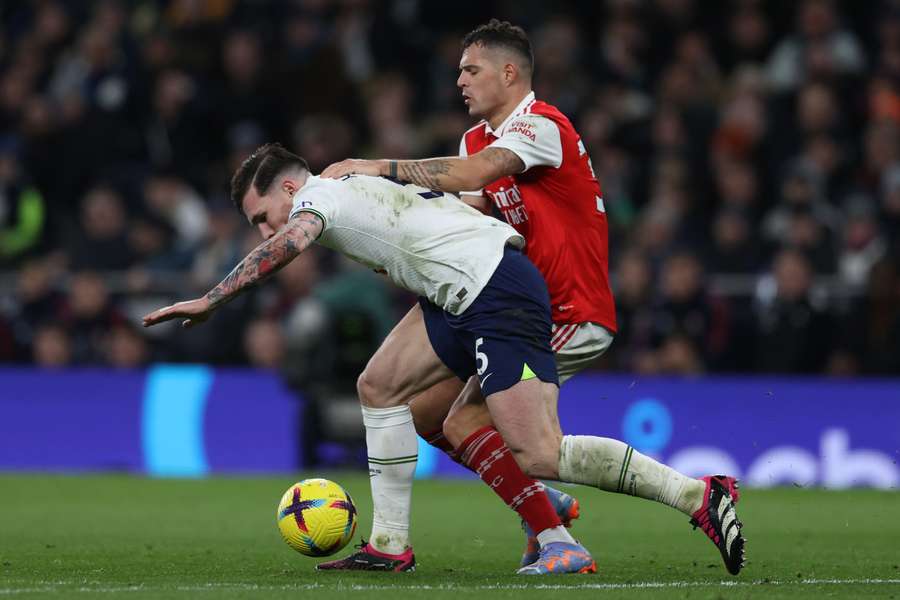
x=510, y=73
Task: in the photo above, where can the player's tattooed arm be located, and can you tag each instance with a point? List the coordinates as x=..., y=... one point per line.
x=265, y=259
x=268, y=257
x=433, y=173
x=458, y=173
x=448, y=174
x=501, y=162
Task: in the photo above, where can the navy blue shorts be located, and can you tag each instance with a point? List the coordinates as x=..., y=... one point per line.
x=504, y=335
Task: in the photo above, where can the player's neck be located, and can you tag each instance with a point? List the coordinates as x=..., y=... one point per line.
x=506, y=109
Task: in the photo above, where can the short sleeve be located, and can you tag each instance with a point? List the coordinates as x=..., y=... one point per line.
x=463, y=152
x=318, y=198
x=533, y=138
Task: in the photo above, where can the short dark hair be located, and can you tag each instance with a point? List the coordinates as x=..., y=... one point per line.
x=261, y=168
x=502, y=34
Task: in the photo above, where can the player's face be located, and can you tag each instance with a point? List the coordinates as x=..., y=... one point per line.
x=267, y=213
x=481, y=80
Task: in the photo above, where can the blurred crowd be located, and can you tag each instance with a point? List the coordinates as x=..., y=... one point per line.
x=749, y=153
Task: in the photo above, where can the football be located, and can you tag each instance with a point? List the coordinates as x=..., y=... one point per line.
x=316, y=517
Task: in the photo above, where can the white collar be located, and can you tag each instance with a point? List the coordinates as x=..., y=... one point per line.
x=518, y=110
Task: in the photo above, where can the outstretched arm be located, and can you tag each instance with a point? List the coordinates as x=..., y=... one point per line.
x=265, y=259
x=449, y=174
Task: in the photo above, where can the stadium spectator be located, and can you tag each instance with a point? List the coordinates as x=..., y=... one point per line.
x=870, y=334
x=89, y=314
x=819, y=44
x=890, y=203
x=52, y=346
x=245, y=96
x=685, y=312
x=264, y=344
x=220, y=251
x=735, y=248
x=795, y=334
x=22, y=207
x=634, y=295
x=102, y=240
x=171, y=199
x=862, y=244
x=749, y=36
x=678, y=355
x=35, y=299
x=123, y=347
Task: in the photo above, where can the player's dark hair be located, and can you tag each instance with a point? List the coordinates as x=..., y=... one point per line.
x=502, y=34
x=260, y=169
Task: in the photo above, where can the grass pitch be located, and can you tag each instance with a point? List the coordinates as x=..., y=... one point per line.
x=118, y=536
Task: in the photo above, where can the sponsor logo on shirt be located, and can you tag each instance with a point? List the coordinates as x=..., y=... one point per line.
x=526, y=129
x=509, y=201
x=506, y=197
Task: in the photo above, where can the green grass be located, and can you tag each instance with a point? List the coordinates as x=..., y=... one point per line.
x=118, y=536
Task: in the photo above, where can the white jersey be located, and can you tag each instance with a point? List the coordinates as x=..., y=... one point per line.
x=428, y=242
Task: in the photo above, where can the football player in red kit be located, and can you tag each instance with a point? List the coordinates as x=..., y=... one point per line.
x=525, y=160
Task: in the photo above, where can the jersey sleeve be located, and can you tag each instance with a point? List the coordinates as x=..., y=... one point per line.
x=321, y=200
x=533, y=138
x=463, y=152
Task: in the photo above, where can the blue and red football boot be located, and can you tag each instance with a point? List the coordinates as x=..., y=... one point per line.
x=561, y=557
x=568, y=510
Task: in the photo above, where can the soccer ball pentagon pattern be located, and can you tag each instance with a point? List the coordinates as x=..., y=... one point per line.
x=316, y=517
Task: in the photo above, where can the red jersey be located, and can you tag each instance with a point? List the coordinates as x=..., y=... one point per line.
x=557, y=205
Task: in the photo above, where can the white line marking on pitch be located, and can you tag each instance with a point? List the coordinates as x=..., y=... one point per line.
x=56, y=586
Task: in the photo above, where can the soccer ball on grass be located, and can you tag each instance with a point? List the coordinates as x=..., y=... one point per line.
x=316, y=517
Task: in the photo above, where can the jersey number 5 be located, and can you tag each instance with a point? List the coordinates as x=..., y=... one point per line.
x=481, y=359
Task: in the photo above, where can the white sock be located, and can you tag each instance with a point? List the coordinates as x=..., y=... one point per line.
x=555, y=534
x=393, y=451
x=614, y=466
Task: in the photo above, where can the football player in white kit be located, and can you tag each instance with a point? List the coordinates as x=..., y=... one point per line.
x=487, y=313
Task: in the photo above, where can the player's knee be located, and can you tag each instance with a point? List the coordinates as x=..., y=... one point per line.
x=374, y=390
x=463, y=422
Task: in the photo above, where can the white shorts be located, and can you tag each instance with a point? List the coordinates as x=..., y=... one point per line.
x=576, y=345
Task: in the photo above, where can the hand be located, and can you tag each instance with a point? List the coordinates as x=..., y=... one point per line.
x=197, y=311
x=352, y=166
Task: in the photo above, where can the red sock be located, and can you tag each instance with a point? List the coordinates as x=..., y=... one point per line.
x=487, y=454
x=436, y=438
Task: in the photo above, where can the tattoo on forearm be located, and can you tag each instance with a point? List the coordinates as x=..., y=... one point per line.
x=426, y=173
x=308, y=225
x=435, y=173
x=393, y=169
x=268, y=257
x=506, y=162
